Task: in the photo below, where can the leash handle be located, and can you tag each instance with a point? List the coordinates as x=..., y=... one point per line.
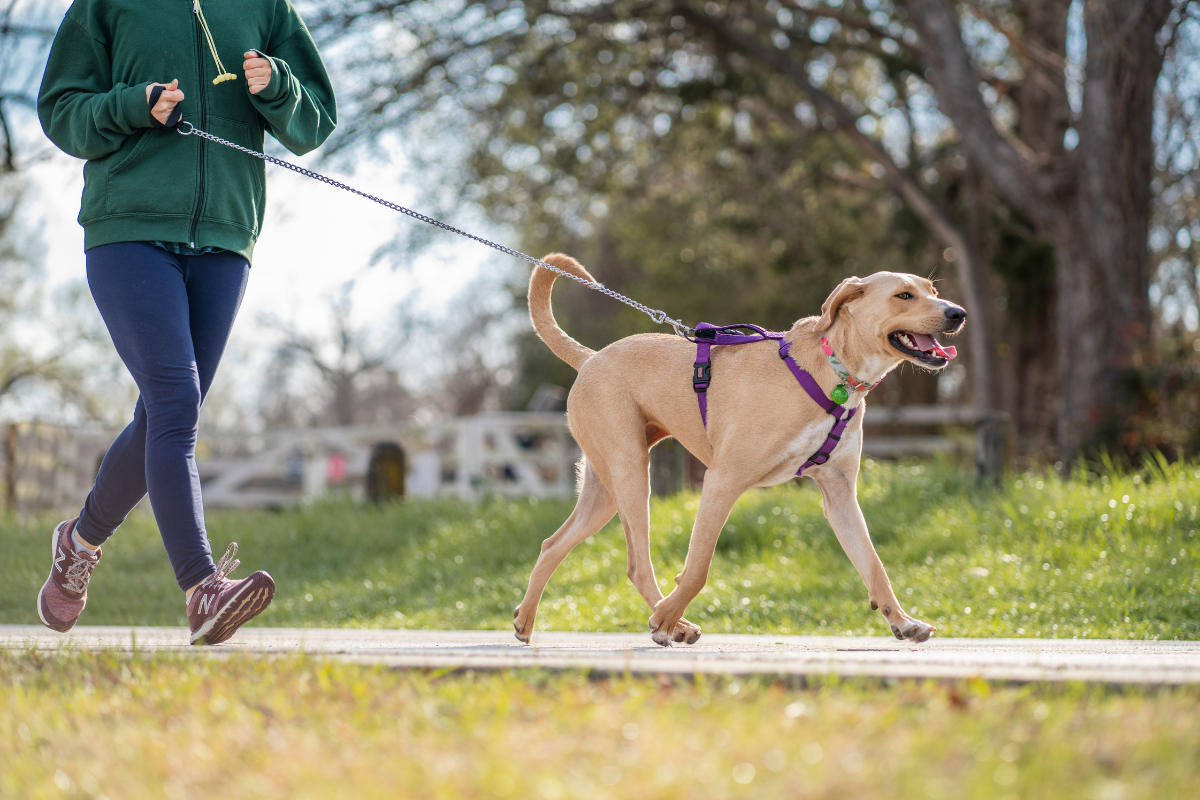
x=173, y=118
x=659, y=316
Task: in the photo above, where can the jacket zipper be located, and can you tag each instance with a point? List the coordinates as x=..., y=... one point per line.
x=203, y=121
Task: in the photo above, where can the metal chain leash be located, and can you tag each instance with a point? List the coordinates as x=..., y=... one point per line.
x=658, y=316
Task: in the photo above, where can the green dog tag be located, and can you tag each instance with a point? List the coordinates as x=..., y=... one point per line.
x=840, y=394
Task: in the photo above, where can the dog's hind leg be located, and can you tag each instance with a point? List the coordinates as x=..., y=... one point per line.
x=593, y=510
x=632, y=486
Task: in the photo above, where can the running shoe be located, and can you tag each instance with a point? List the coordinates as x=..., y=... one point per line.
x=220, y=606
x=63, y=596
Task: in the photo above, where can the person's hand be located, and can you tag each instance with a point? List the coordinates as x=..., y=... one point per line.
x=167, y=101
x=258, y=72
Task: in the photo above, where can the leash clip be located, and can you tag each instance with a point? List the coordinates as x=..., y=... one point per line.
x=190, y=128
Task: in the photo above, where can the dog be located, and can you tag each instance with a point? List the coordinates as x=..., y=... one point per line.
x=761, y=428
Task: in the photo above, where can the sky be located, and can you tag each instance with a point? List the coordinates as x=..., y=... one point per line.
x=315, y=238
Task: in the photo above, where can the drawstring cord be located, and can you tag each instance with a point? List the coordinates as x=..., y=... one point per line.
x=225, y=75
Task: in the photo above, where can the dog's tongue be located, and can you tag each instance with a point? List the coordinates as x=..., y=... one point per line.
x=928, y=344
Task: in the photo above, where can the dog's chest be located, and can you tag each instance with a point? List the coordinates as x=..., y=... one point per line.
x=806, y=442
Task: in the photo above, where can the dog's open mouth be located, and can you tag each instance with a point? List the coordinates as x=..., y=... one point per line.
x=923, y=347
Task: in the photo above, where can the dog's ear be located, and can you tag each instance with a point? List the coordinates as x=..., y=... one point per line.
x=847, y=290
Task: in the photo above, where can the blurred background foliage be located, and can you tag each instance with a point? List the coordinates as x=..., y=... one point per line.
x=669, y=147
x=727, y=161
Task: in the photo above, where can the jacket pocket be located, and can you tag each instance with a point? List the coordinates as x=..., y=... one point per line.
x=156, y=176
x=234, y=180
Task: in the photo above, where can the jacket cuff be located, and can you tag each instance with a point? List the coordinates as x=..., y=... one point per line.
x=276, y=87
x=134, y=106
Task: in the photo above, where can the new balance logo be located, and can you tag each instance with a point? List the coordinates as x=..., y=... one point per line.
x=206, y=604
x=62, y=556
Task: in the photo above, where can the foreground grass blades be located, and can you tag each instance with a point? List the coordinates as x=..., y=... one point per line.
x=115, y=726
x=1111, y=556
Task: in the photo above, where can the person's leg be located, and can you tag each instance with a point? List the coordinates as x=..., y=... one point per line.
x=120, y=484
x=213, y=304
x=216, y=284
x=142, y=293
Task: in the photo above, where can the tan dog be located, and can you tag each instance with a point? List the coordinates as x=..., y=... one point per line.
x=761, y=427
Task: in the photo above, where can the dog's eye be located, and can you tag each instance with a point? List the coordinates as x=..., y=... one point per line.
x=905, y=296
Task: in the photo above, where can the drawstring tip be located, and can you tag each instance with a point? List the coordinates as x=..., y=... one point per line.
x=224, y=77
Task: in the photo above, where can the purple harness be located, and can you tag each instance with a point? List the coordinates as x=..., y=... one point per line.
x=708, y=336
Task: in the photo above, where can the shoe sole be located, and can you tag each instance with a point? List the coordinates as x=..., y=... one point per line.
x=53, y=552
x=241, y=608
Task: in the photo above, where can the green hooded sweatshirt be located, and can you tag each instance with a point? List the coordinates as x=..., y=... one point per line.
x=144, y=184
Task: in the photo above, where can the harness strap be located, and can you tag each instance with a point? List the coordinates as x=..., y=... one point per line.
x=708, y=336
x=840, y=415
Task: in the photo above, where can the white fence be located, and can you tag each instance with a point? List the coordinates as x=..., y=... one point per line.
x=47, y=466
x=517, y=454
x=523, y=454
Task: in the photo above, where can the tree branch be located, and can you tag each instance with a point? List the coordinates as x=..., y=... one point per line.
x=941, y=226
x=853, y=21
x=1030, y=51
x=956, y=84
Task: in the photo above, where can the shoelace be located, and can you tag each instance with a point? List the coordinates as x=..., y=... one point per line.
x=78, y=574
x=226, y=565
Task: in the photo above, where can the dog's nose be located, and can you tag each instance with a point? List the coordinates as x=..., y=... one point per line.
x=956, y=314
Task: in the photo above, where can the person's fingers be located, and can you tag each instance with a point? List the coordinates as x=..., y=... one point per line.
x=168, y=88
x=256, y=63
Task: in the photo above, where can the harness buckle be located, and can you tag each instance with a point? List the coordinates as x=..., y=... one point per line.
x=701, y=375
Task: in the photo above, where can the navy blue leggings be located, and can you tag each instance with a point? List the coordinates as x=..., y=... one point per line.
x=169, y=317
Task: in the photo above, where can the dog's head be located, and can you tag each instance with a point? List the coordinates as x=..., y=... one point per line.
x=895, y=316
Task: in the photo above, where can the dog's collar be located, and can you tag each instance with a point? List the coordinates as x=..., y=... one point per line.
x=840, y=392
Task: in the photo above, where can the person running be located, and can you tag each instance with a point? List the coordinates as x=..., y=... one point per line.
x=170, y=225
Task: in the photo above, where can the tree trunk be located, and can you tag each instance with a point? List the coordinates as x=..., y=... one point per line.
x=1092, y=204
x=343, y=399
x=1100, y=238
x=975, y=276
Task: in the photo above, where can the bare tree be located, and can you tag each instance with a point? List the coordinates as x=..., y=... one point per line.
x=473, y=352
x=26, y=30
x=356, y=380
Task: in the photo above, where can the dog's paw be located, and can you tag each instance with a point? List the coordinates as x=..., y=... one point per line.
x=661, y=634
x=523, y=631
x=686, y=632
x=913, y=630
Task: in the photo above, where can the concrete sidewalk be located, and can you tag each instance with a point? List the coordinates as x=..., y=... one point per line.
x=996, y=659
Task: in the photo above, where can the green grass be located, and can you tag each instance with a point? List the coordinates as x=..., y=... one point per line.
x=115, y=726
x=1112, y=555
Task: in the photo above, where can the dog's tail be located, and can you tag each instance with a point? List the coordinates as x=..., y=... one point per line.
x=540, y=284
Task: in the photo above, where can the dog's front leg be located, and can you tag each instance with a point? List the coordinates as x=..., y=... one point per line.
x=716, y=500
x=850, y=527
